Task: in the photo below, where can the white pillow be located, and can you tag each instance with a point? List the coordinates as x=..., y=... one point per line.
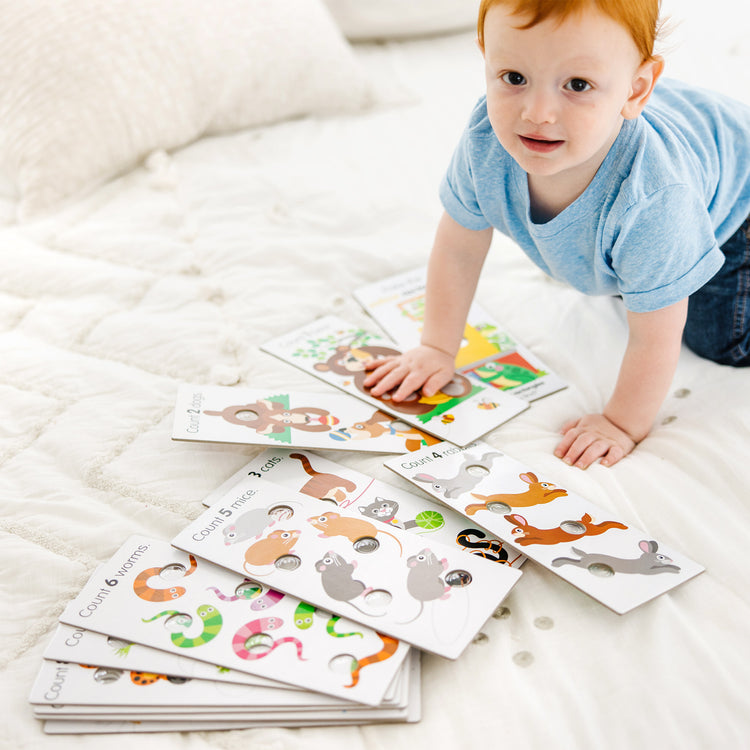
x=89, y=87
x=362, y=20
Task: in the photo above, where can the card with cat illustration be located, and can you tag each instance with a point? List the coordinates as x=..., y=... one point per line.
x=333, y=421
x=489, y=354
x=612, y=561
x=155, y=595
x=337, y=351
x=416, y=590
x=317, y=477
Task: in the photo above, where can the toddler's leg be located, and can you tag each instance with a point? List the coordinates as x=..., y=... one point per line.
x=718, y=322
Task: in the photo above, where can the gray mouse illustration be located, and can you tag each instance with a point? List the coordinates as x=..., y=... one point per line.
x=252, y=523
x=337, y=577
x=649, y=563
x=424, y=581
x=464, y=480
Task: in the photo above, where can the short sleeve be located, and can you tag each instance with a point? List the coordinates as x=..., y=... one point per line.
x=457, y=190
x=665, y=249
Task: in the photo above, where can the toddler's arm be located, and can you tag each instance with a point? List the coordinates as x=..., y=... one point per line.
x=455, y=263
x=645, y=375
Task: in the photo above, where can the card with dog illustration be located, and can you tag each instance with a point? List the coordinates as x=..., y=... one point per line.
x=223, y=414
x=337, y=351
x=420, y=591
x=310, y=474
x=614, y=562
x=489, y=353
x=152, y=594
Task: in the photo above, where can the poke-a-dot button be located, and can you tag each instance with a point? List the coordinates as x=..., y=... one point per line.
x=682, y=393
x=544, y=623
x=523, y=658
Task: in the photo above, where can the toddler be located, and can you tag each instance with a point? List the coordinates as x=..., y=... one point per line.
x=609, y=181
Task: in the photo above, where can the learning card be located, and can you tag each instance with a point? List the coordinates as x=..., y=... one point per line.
x=614, y=562
x=402, y=704
x=152, y=594
x=312, y=475
x=87, y=647
x=223, y=414
x=420, y=591
x=69, y=690
x=337, y=351
x=488, y=354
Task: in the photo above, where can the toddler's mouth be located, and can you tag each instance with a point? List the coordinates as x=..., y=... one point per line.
x=538, y=144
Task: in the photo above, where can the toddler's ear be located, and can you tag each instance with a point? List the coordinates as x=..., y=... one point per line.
x=644, y=80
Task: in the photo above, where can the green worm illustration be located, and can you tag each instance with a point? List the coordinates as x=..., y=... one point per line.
x=303, y=619
x=212, y=622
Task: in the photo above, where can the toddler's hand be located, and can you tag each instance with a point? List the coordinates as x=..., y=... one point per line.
x=423, y=367
x=591, y=437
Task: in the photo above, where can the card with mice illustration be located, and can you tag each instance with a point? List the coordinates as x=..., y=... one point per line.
x=420, y=591
x=489, y=354
x=334, y=421
x=337, y=351
x=152, y=594
x=614, y=562
x=312, y=475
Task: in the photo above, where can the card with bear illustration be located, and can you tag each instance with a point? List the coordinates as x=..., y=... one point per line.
x=334, y=421
x=612, y=561
x=152, y=594
x=337, y=351
x=420, y=591
x=310, y=474
x=489, y=354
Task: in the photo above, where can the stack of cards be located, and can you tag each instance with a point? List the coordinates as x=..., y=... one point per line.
x=159, y=640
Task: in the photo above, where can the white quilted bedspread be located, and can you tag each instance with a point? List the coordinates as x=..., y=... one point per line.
x=177, y=273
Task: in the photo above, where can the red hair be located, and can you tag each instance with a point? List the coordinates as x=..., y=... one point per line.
x=639, y=17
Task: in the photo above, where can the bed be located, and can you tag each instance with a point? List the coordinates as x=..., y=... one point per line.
x=183, y=236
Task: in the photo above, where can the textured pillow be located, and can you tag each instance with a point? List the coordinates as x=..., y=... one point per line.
x=89, y=87
x=396, y=19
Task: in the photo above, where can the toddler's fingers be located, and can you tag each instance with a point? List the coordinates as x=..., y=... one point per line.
x=435, y=382
x=596, y=450
x=563, y=446
x=569, y=425
x=615, y=454
x=411, y=383
x=377, y=376
x=372, y=364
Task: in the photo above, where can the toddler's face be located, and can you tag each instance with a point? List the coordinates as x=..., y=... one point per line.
x=557, y=93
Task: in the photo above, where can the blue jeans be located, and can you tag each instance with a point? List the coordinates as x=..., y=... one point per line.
x=718, y=322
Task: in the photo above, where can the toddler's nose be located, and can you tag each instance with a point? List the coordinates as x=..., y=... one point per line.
x=539, y=106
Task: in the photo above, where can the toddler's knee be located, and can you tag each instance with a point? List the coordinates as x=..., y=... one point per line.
x=716, y=349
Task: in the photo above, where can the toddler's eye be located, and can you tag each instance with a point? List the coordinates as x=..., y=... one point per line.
x=513, y=78
x=578, y=85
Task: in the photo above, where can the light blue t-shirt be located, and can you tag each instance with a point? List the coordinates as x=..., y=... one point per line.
x=674, y=186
